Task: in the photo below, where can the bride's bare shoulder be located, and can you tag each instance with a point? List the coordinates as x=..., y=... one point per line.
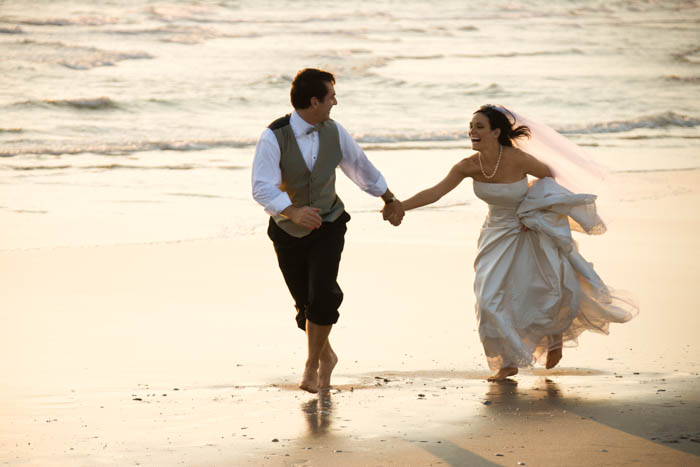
x=469, y=165
x=520, y=156
x=530, y=164
x=517, y=152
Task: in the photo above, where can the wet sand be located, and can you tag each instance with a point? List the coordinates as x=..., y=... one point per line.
x=185, y=353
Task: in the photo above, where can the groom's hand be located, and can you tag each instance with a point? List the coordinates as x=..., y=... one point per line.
x=393, y=212
x=306, y=216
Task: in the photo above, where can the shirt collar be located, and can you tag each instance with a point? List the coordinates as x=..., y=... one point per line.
x=300, y=127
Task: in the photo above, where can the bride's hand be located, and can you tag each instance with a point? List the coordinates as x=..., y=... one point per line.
x=393, y=212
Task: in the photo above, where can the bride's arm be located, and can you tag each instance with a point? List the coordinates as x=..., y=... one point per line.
x=428, y=196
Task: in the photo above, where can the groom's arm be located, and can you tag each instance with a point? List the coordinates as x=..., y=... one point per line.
x=365, y=175
x=358, y=167
x=266, y=175
x=266, y=180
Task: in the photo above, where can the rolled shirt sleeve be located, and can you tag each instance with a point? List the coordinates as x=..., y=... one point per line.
x=267, y=176
x=358, y=167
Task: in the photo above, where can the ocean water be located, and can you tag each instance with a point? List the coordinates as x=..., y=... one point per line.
x=136, y=121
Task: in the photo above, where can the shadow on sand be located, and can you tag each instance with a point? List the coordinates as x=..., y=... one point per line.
x=645, y=416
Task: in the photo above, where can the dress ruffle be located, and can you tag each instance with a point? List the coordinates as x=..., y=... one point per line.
x=533, y=284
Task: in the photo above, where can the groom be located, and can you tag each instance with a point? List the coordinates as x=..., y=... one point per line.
x=294, y=180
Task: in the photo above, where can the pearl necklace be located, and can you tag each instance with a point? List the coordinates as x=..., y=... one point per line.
x=500, y=151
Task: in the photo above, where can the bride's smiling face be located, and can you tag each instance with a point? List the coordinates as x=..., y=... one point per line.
x=480, y=132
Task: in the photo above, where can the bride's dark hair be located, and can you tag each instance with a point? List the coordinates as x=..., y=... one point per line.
x=500, y=117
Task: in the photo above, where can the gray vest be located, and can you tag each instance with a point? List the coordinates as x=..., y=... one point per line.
x=315, y=188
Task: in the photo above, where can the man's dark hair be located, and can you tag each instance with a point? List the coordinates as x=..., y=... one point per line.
x=309, y=83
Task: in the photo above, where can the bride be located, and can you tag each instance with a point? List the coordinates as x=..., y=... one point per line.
x=534, y=291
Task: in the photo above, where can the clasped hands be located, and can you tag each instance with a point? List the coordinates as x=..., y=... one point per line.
x=393, y=212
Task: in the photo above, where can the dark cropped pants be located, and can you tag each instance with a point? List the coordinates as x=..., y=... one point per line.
x=310, y=269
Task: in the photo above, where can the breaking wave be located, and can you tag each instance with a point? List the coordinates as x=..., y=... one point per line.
x=82, y=103
x=431, y=136
x=368, y=140
x=11, y=30
x=119, y=148
x=523, y=54
x=183, y=34
x=689, y=56
x=661, y=120
x=79, y=21
x=96, y=103
x=684, y=79
x=75, y=56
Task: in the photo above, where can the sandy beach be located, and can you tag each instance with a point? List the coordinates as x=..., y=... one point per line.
x=144, y=319
x=185, y=353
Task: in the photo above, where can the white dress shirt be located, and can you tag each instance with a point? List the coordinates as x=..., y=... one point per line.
x=267, y=175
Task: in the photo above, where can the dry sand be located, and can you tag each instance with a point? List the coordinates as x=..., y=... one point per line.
x=186, y=353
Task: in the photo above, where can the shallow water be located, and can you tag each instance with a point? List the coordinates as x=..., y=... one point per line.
x=118, y=113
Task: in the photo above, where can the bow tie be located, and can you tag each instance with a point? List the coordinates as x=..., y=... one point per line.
x=314, y=128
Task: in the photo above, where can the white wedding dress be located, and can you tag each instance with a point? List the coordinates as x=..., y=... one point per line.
x=532, y=284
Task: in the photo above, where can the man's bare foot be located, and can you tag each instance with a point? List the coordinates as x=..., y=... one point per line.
x=325, y=368
x=553, y=357
x=309, y=381
x=502, y=374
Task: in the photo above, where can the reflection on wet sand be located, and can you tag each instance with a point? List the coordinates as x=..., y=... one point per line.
x=457, y=418
x=318, y=414
x=505, y=396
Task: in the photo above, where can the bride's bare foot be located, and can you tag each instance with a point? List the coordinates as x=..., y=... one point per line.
x=309, y=379
x=502, y=374
x=554, y=355
x=325, y=368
